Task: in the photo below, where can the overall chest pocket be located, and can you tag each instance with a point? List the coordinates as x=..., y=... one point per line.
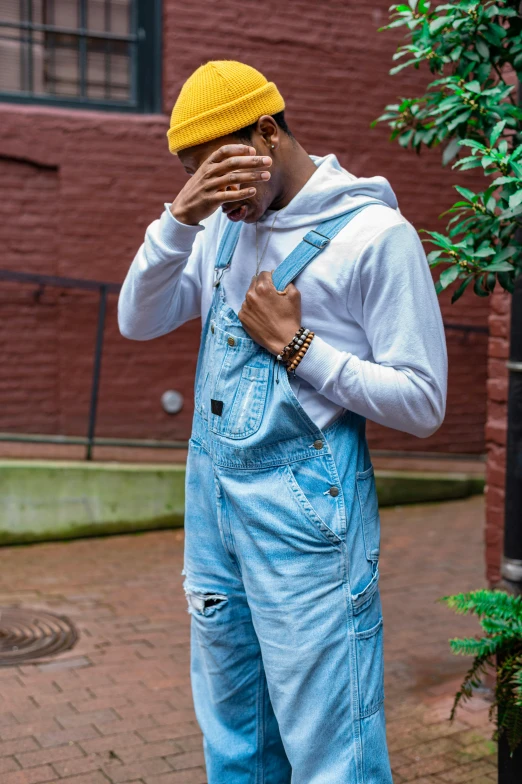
x=233, y=385
x=238, y=400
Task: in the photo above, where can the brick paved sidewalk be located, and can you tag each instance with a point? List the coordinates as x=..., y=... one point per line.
x=117, y=708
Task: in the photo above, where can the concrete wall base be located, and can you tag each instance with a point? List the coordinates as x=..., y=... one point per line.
x=50, y=500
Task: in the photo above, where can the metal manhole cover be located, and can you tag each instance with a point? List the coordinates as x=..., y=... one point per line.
x=30, y=635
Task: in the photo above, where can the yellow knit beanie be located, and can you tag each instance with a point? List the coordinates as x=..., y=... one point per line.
x=219, y=98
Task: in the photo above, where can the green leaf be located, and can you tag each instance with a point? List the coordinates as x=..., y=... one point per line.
x=483, y=71
x=478, y=289
x=450, y=151
x=511, y=213
x=500, y=266
x=466, y=193
x=449, y=275
x=506, y=281
x=505, y=180
x=482, y=48
x=465, y=164
x=483, y=253
x=473, y=144
x=457, y=294
x=458, y=120
x=490, y=283
x=515, y=199
x=440, y=239
x=405, y=138
x=505, y=253
x=433, y=255
x=474, y=87
x=438, y=24
x=398, y=68
x=495, y=133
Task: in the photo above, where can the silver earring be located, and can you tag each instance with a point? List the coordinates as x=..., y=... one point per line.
x=272, y=146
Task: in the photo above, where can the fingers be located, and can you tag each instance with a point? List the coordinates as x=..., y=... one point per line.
x=228, y=150
x=235, y=156
x=265, y=285
x=220, y=197
x=237, y=177
x=245, y=162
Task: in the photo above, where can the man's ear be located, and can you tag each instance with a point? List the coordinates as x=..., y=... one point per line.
x=268, y=130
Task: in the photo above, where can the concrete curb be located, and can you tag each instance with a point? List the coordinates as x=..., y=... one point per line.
x=43, y=500
x=53, y=500
x=396, y=488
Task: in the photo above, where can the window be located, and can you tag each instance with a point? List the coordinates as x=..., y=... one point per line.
x=86, y=53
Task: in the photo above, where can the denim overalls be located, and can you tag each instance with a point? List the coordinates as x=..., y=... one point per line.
x=281, y=564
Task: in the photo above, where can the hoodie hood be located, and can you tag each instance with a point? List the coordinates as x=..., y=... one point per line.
x=331, y=191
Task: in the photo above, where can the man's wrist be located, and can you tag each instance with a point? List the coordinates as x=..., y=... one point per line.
x=278, y=346
x=182, y=216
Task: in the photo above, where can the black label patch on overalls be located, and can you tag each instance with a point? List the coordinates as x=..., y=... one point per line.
x=216, y=406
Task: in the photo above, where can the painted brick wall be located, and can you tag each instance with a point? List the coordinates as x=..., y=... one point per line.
x=81, y=187
x=496, y=431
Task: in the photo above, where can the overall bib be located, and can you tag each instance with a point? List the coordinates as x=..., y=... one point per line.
x=281, y=563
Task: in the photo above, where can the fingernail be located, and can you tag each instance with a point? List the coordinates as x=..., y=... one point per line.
x=251, y=190
x=265, y=175
x=267, y=161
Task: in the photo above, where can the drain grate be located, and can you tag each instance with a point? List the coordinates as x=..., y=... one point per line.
x=30, y=635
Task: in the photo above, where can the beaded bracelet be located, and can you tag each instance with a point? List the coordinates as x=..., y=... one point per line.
x=289, y=351
x=300, y=354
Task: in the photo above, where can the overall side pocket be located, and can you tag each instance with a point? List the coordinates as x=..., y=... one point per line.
x=370, y=669
x=368, y=624
x=315, y=491
x=369, y=506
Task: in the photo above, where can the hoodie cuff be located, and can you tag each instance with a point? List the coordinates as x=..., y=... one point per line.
x=177, y=236
x=319, y=363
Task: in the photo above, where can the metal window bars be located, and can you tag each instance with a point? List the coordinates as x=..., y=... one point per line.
x=94, y=53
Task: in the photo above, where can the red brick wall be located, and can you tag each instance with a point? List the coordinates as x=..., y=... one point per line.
x=82, y=187
x=496, y=431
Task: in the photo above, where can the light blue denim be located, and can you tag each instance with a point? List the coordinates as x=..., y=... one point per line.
x=281, y=564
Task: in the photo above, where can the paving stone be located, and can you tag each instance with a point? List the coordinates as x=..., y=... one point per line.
x=121, y=710
x=136, y=771
x=32, y=776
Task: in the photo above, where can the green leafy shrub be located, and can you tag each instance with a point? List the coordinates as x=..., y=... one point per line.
x=470, y=109
x=500, y=648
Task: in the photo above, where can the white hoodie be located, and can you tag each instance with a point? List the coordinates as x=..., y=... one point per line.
x=379, y=349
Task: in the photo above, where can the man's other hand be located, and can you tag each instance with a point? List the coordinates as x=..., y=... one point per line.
x=271, y=318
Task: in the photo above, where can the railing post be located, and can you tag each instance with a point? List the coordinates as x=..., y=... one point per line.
x=96, y=371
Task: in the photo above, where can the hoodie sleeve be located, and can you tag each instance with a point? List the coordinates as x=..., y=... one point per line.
x=404, y=386
x=162, y=289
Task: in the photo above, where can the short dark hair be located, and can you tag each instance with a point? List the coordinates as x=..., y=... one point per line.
x=245, y=134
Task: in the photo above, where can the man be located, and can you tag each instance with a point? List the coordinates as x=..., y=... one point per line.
x=319, y=311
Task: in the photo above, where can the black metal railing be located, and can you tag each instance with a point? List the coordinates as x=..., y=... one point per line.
x=104, y=289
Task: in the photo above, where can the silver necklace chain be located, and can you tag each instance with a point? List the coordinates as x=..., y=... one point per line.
x=259, y=261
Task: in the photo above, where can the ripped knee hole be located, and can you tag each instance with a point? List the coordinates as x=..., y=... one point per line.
x=203, y=602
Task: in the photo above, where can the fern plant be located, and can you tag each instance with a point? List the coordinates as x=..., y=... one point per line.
x=499, y=648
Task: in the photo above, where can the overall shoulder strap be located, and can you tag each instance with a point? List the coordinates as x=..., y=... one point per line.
x=227, y=244
x=311, y=245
